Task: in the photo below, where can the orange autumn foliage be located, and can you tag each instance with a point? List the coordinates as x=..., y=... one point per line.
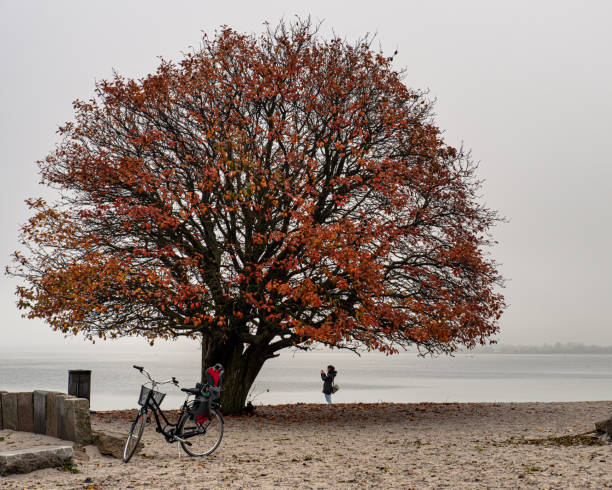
x=264, y=192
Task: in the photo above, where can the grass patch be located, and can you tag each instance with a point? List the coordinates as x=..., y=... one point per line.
x=70, y=467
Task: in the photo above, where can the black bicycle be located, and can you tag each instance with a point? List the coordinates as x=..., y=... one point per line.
x=199, y=428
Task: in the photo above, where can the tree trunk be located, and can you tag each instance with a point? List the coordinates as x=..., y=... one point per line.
x=241, y=368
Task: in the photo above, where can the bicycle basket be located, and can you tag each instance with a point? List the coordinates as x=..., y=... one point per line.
x=144, y=393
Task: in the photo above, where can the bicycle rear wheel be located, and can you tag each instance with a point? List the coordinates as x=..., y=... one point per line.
x=201, y=439
x=135, y=435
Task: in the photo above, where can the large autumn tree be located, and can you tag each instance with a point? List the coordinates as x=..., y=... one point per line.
x=265, y=192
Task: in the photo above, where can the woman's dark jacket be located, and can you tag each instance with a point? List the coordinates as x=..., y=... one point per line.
x=328, y=380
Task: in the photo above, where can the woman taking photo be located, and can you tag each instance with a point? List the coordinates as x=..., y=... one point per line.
x=328, y=382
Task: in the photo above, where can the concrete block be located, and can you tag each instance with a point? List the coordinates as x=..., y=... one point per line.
x=69, y=419
x=25, y=412
x=40, y=411
x=65, y=423
x=112, y=444
x=34, y=458
x=73, y=423
x=1, y=425
x=82, y=421
x=9, y=411
x=51, y=415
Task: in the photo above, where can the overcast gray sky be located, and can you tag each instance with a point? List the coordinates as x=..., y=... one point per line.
x=527, y=85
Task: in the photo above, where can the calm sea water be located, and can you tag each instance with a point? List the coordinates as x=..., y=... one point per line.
x=294, y=377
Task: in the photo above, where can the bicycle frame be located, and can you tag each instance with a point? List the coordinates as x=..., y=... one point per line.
x=152, y=405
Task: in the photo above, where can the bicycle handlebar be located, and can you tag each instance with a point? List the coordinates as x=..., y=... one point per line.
x=142, y=370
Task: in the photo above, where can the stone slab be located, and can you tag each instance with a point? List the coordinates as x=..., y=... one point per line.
x=79, y=408
x=34, y=458
x=69, y=419
x=25, y=412
x=51, y=415
x=112, y=444
x=65, y=422
x=40, y=411
x=9, y=411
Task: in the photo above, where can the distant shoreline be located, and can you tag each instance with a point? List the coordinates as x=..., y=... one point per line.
x=557, y=348
x=489, y=349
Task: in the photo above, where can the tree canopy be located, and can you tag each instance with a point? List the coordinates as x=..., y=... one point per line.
x=266, y=191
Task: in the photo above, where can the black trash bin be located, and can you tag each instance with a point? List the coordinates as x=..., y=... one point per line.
x=79, y=383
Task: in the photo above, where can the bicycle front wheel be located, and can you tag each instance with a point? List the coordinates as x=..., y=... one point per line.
x=200, y=438
x=135, y=435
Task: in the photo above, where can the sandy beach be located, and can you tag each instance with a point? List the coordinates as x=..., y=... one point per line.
x=426, y=445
